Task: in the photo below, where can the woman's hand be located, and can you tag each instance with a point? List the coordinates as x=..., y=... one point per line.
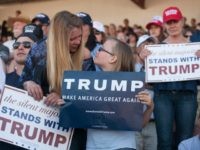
x=33, y=89
x=144, y=53
x=53, y=99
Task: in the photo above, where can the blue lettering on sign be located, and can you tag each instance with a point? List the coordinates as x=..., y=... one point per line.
x=21, y=115
x=54, y=125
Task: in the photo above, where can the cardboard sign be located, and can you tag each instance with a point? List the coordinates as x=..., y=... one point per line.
x=30, y=124
x=104, y=100
x=172, y=62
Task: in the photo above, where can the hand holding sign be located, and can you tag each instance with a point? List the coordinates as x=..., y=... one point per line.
x=173, y=62
x=198, y=53
x=53, y=99
x=29, y=123
x=102, y=100
x=145, y=98
x=33, y=89
x=144, y=53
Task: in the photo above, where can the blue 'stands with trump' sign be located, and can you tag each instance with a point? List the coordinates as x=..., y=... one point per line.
x=102, y=100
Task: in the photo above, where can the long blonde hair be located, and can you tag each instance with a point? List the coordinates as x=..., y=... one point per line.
x=59, y=58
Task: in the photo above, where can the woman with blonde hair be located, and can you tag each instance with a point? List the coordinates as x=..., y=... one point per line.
x=64, y=52
x=64, y=47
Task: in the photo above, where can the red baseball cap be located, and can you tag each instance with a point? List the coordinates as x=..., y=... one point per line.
x=172, y=13
x=156, y=20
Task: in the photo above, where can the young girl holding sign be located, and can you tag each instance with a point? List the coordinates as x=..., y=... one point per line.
x=116, y=56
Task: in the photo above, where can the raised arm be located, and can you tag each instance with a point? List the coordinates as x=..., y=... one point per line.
x=146, y=99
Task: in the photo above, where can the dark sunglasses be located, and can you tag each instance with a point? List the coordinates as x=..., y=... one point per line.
x=102, y=49
x=25, y=44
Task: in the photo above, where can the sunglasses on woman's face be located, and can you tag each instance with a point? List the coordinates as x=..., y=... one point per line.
x=25, y=44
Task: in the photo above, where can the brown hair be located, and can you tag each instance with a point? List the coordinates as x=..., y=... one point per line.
x=124, y=55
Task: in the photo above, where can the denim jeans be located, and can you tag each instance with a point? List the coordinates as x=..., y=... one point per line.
x=171, y=107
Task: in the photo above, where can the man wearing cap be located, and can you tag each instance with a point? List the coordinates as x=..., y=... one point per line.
x=17, y=24
x=91, y=45
x=36, y=59
x=22, y=45
x=42, y=20
x=31, y=34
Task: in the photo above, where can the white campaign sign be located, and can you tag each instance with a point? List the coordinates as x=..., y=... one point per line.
x=31, y=124
x=172, y=62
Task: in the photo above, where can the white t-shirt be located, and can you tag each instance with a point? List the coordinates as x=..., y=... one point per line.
x=190, y=144
x=9, y=44
x=2, y=75
x=109, y=139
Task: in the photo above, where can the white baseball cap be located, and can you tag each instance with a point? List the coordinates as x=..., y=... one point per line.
x=143, y=38
x=98, y=26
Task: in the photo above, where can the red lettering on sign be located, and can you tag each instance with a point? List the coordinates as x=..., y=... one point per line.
x=4, y=122
x=18, y=127
x=60, y=140
x=178, y=69
x=153, y=70
x=194, y=67
x=27, y=132
x=162, y=70
x=22, y=130
x=46, y=138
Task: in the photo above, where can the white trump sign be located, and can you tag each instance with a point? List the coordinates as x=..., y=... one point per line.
x=172, y=62
x=30, y=124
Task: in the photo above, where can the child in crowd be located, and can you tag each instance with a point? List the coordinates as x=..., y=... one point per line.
x=116, y=56
x=155, y=28
x=147, y=138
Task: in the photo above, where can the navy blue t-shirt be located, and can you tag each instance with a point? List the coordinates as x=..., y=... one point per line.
x=12, y=79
